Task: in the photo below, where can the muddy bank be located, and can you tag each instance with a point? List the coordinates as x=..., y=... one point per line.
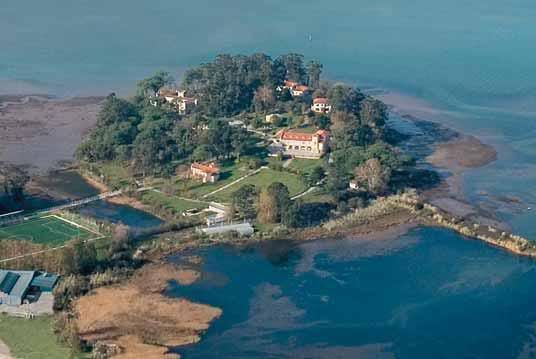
x=139, y=319
x=41, y=132
x=120, y=200
x=455, y=157
x=462, y=153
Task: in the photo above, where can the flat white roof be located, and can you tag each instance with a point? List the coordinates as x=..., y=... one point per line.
x=244, y=229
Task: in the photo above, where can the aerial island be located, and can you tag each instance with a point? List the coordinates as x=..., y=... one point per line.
x=244, y=149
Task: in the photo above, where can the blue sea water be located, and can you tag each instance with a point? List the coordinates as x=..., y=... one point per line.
x=427, y=294
x=473, y=63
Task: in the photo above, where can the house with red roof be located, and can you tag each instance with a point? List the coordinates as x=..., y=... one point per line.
x=296, y=89
x=321, y=105
x=178, y=99
x=206, y=172
x=300, y=144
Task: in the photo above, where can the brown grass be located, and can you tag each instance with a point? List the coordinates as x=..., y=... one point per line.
x=138, y=318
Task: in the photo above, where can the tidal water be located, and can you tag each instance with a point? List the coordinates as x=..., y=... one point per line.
x=427, y=294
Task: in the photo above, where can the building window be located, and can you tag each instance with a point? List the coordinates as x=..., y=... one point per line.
x=309, y=148
x=296, y=147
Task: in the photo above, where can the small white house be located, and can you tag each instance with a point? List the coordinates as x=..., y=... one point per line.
x=272, y=117
x=296, y=89
x=354, y=185
x=208, y=173
x=178, y=98
x=321, y=105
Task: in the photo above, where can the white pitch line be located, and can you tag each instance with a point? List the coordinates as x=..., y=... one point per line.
x=100, y=236
x=72, y=223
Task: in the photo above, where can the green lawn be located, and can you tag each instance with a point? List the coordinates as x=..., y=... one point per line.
x=262, y=180
x=31, y=339
x=49, y=230
x=179, y=205
x=304, y=166
x=116, y=175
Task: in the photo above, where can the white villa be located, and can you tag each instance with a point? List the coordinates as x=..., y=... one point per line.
x=207, y=173
x=295, y=88
x=302, y=144
x=178, y=98
x=321, y=105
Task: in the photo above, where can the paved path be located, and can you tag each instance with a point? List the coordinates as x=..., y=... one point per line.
x=234, y=182
x=309, y=190
x=4, y=351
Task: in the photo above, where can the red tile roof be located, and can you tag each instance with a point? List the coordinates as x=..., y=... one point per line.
x=210, y=168
x=290, y=84
x=167, y=92
x=302, y=88
x=301, y=136
x=321, y=100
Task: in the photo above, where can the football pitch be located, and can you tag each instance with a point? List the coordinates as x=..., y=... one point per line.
x=50, y=230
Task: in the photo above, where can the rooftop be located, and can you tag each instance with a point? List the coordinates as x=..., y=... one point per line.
x=244, y=229
x=15, y=283
x=300, y=135
x=209, y=168
x=321, y=100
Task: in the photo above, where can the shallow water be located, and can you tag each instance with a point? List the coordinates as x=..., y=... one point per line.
x=72, y=186
x=428, y=294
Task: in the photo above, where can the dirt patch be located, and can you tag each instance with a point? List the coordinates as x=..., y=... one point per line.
x=140, y=319
x=4, y=351
x=41, y=132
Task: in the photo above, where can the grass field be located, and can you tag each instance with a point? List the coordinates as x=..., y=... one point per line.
x=31, y=339
x=49, y=230
x=262, y=180
x=178, y=205
x=304, y=166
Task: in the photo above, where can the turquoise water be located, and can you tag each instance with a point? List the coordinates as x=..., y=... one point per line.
x=427, y=294
x=474, y=62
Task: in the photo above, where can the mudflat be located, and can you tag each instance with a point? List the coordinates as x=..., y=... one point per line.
x=463, y=152
x=41, y=132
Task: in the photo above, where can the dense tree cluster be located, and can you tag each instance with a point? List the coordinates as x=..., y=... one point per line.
x=233, y=84
x=151, y=139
